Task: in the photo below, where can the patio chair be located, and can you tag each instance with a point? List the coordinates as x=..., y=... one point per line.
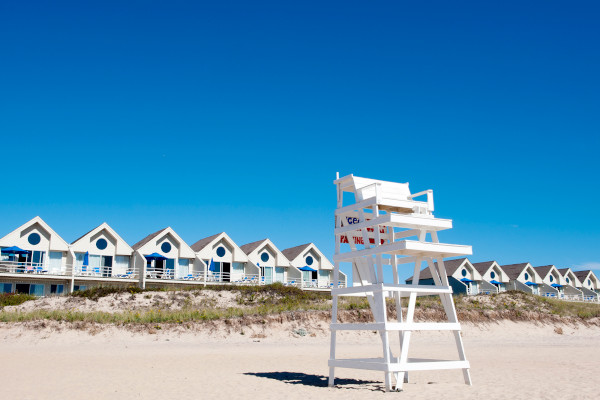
x=96, y=271
x=40, y=270
x=29, y=269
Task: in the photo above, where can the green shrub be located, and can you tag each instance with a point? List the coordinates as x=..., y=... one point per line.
x=14, y=299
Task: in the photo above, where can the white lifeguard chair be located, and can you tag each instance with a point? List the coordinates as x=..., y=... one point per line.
x=384, y=228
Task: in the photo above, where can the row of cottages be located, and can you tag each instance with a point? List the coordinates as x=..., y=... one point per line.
x=35, y=259
x=490, y=277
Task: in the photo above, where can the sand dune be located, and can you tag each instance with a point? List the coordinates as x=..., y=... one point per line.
x=509, y=360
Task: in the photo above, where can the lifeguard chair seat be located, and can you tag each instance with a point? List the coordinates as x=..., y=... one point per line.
x=390, y=196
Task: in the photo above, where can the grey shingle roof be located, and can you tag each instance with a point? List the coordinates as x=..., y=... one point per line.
x=581, y=275
x=451, y=267
x=250, y=247
x=294, y=252
x=563, y=271
x=482, y=267
x=82, y=236
x=147, y=239
x=543, y=270
x=202, y=243
x=514, y=270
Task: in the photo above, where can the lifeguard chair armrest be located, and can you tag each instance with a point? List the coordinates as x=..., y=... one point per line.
x=429, y=193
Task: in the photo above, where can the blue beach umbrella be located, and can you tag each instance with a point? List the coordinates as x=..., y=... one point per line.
x=154, y=256
x=212, y=266
x=86, y=259
x=307, y=268
x=495, y=282
x=466, y=280
x=14, y=250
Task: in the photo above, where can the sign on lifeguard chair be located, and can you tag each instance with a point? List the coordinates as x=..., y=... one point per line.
x=386, y=228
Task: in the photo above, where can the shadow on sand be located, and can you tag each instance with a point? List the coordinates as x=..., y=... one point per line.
x=301, y=378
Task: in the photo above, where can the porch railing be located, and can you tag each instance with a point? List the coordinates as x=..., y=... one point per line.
x=29, y=267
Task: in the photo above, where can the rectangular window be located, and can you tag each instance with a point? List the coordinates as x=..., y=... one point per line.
x=55, y=261
x=279, y=274
x=183, y=267
x=268, y=274
x=57, y=289
x=121, y=265
x=5, y=287
x=38, y=258
x=36, y=290
x=77, y=288
x=79, y=260
x=95, y=264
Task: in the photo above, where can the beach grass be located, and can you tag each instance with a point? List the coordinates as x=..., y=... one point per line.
x=14, y=299
x=276, y=299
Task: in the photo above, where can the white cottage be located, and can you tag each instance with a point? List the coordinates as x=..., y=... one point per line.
x=523, y=277
x=590, y=285
x=163, y=255
x=274, y=266
x=225, y=260
x=493, y=276
x=102, y=253
x=573, y=289
x=317, y=270
x=462, y=276
x=553, y=278
x=33, y=260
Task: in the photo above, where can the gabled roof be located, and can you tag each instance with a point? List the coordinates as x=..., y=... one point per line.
x=202, y=247
x=514, y=270
x=543, y=270
x=250, y=247
x=87, y=233
x=293, y=255
x=294, y=252
x=482, y=267
x=148, y=238
x=185, y=250
x=583, y=275
x=56, y=241
x=451, y=267
x=122, y=246
x=202, y=243
x=565, y=271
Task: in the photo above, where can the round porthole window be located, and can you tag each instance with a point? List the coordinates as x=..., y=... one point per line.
x=101, y=244
x=526, y=276
x=568, y=281
x=551, y=278
x=464, y=272
x=165, y=247
x=493, y=274
x=264, y=257
x=589, y=282
x=220, y=251
x=309, y=260
x=34, y=238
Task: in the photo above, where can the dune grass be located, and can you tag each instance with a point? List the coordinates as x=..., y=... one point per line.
x=277, y=299
x=14, y=299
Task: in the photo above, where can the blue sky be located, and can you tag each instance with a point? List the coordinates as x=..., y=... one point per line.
x=235, y=117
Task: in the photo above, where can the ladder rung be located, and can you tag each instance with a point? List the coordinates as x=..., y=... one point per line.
x=397, y=326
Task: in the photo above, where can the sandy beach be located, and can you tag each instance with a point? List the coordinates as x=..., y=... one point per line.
x=514, y=360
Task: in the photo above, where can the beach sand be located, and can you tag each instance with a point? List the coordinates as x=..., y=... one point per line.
x=508, y=361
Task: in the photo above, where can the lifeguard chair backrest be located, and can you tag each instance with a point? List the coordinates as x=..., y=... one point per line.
x=366, y=188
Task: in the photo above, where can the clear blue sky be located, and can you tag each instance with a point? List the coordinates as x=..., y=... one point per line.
x=235, y=117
